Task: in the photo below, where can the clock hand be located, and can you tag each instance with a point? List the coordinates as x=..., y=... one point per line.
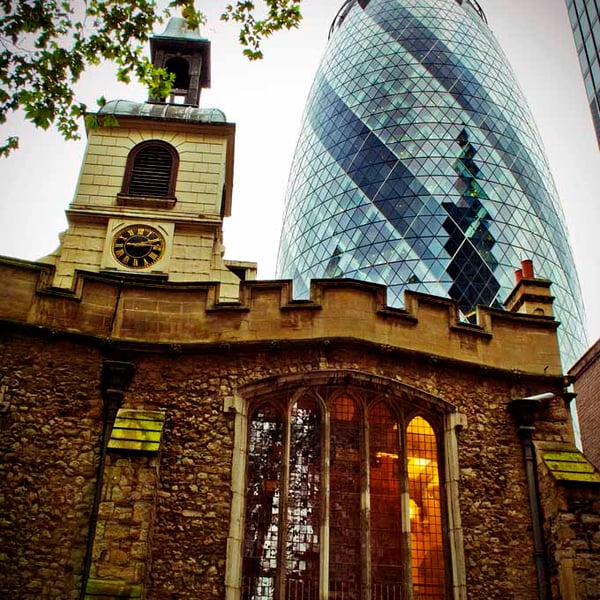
x=140, y=244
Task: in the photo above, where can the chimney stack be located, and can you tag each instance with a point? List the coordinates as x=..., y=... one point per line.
x=530, y=295
x=527, y=268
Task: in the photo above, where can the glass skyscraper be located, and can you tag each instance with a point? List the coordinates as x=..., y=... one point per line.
x=585, y=22
x=419, y=166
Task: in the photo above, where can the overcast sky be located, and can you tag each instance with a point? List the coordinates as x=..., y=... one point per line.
x=265, y=99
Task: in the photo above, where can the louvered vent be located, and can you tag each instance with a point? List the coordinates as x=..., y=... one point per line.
x=151, y=173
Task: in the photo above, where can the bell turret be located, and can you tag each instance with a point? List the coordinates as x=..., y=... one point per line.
x=154, y=190
x=186, y=54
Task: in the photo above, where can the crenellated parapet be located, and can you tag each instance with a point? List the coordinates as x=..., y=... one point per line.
x=141, y=311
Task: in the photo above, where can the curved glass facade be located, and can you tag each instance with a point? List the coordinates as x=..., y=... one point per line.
x=418, y=166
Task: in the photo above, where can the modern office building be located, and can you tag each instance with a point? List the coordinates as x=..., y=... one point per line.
x=419, y=165
x=585, y=22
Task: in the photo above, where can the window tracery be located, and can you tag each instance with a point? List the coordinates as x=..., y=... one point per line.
x=342, y=500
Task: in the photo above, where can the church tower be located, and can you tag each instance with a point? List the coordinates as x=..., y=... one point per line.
x=156, y=182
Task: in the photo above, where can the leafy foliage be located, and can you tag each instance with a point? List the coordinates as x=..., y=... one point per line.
x=45, y=46
x=282, y=14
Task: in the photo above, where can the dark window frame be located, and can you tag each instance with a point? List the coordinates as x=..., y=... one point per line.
x=125, y=196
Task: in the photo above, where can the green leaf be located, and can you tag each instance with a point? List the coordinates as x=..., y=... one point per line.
x=91, y=121
x=11, y=143
x=110, y=121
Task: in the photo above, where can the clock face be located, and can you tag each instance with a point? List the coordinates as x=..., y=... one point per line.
x=138, y=246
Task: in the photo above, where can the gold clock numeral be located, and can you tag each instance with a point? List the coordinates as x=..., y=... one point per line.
x=138, y=246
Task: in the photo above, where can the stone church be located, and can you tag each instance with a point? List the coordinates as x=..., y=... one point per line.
x=172, y=428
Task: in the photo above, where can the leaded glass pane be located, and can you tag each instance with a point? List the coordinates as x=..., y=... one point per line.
x=304, y=503
x=263, y=500
x=426, y=549
x=386, y=514
x=345, y=512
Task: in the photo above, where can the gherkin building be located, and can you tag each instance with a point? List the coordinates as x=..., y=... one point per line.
x=419, y=166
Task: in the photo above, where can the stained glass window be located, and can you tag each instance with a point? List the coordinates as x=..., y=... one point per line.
x=345, y=503
x=263, y=500
x=304, y=502
x=386, y=516
x=342, y=501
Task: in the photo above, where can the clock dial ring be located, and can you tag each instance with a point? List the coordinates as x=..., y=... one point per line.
x=138, y=246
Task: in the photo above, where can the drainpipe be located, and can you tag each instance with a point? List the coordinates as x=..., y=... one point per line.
x=524, y=411
x=116, y=376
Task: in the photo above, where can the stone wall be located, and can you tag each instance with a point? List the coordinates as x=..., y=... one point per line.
x=572, y=529
x=50, y=433
x=164, y=517
x=54, y=426
x=124, y=532
x=193, y=508
x=144, y=311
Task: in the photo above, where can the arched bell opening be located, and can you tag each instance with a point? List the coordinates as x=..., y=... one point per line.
x=181, y=69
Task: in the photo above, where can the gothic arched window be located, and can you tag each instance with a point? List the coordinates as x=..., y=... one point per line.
x=151, y=171
x=342, y=501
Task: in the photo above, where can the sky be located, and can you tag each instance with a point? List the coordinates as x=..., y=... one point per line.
x=266, y=99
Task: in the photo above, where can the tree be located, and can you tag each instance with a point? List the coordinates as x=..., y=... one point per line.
x=45, y=46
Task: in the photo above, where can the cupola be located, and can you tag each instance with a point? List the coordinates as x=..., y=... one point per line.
x=185, y=53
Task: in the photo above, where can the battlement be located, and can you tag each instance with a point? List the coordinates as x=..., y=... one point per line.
x=146, y=311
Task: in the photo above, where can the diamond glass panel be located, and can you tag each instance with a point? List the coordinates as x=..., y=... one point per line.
x=585, y=22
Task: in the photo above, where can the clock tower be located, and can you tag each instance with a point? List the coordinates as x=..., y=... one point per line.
x=156, y=183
